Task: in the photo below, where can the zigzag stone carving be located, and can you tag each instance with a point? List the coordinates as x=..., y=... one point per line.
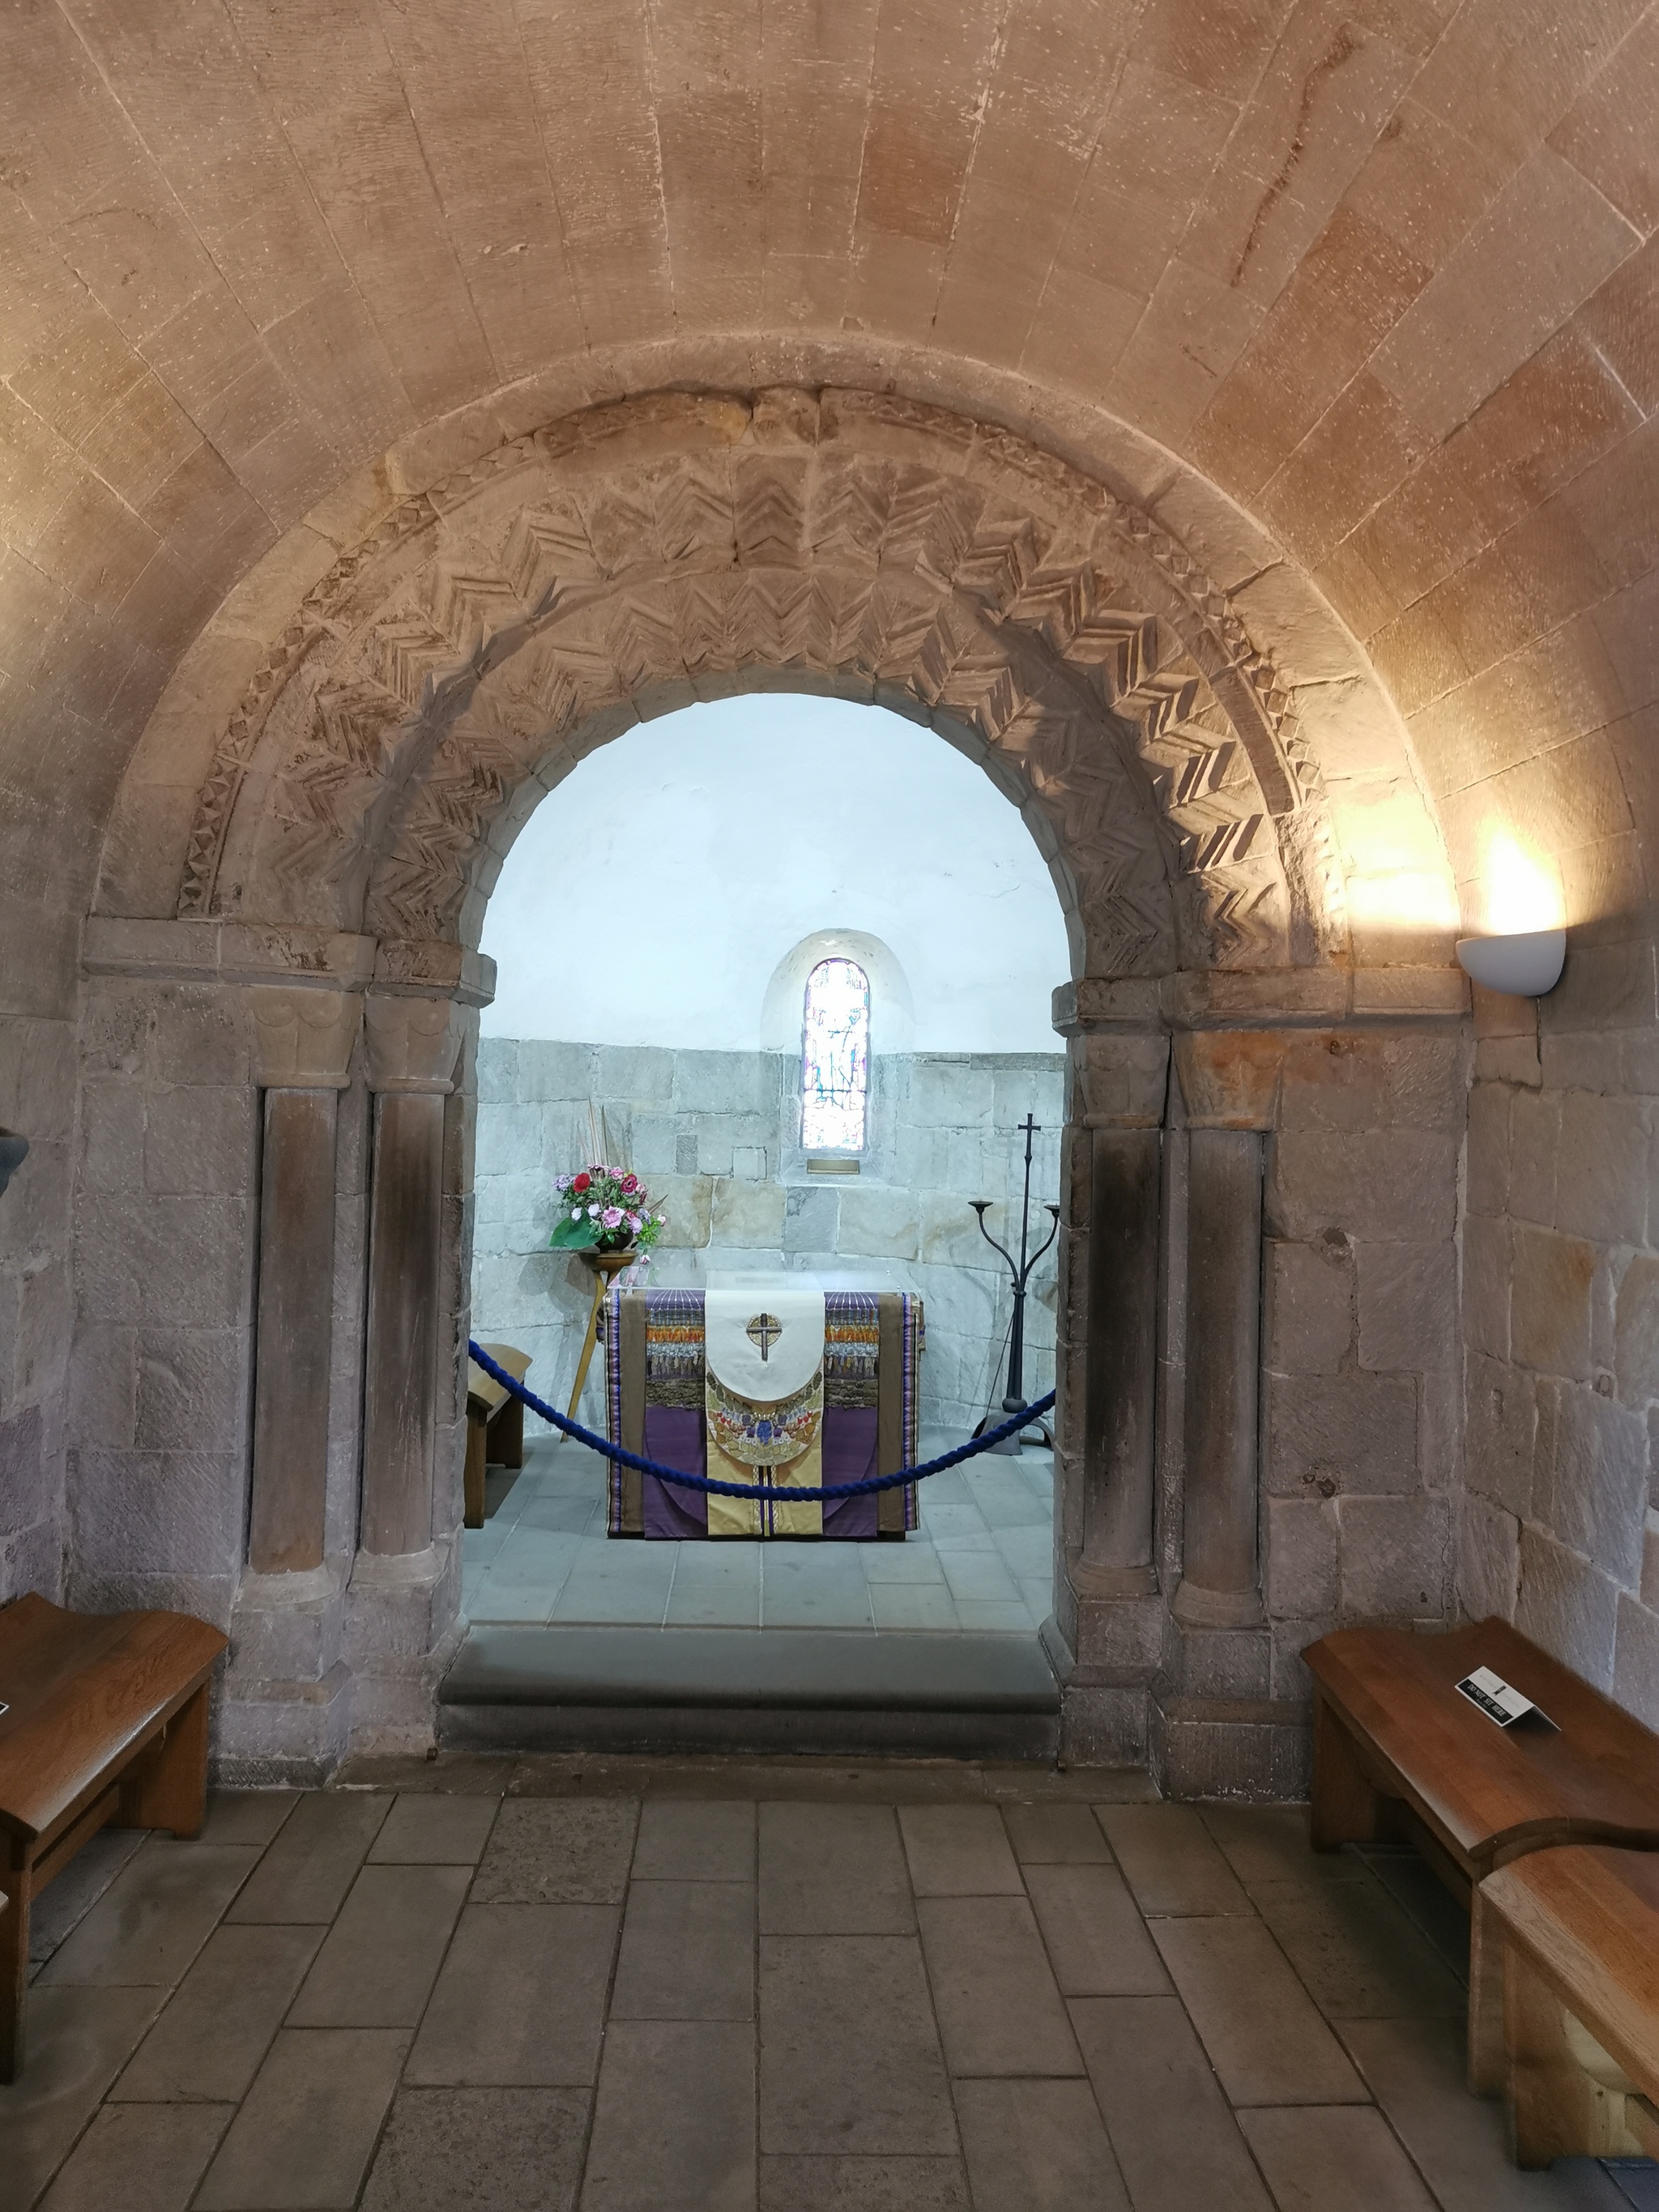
x=630, y=559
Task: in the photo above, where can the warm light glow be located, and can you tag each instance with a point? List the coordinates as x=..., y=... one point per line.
x=1520, y=890
x=1416, y=901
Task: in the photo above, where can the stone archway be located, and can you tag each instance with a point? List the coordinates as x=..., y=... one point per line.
x=632, y=557
x=418, y=697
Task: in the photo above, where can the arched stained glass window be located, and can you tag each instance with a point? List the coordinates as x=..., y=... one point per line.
x=835, y=1064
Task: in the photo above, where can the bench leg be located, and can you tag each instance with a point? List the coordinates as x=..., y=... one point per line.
x=1557, y=2109
x=167, y=1787
x=506, y=1434
x=472, y=1481
x=1345, y=1805
x=1487, y=2065
x=13, y=1968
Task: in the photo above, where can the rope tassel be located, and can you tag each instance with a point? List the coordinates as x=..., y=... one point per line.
x=625, y=1458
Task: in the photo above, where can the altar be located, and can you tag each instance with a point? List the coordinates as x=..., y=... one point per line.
x=770, y=1379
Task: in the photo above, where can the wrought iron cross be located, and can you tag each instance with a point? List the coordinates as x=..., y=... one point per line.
x=1019, y=1274
x=764, y=1330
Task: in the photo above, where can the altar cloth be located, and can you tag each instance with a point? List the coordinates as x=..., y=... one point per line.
x=656, y=1405
x=762, y=1351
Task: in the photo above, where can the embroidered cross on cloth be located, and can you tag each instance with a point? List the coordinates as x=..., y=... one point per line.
x=764, y=1385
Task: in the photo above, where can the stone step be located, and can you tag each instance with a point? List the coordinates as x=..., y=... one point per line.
x=826, y=1691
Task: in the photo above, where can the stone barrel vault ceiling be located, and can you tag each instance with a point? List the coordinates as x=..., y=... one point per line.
x=1355, y=304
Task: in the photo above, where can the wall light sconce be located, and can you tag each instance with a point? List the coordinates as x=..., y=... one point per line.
x=1523, y=966
x=1521, y=890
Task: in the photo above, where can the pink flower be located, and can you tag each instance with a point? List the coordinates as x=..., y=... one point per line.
x=630, y=1183
x=634, y=1223
x=612, y=1217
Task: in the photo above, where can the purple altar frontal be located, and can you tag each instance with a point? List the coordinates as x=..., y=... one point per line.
x=655, y=1406
x=678, y=1438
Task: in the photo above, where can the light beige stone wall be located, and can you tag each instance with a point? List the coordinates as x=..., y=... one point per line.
x=1361, y=1458
x=37, y=1096
x=1559, y=1529
x=1359, y=317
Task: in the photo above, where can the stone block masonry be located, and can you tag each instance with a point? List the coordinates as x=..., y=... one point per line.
x=1558, y=1528
x=717, y=1136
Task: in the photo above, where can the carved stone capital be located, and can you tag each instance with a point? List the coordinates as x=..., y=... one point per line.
x=302, y=1039
x=1117, y=1079
x=413, y=1043
x=1230, y=1078
x=1096, y=1002
x=434, y=964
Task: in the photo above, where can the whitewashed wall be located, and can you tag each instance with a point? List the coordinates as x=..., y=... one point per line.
x=708, y=844
x=716, y=1136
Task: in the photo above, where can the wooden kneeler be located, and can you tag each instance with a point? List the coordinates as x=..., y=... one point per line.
x=105, y=1725
x=494, y=1426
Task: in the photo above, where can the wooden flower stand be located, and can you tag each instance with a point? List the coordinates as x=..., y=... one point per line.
x=606, y=1267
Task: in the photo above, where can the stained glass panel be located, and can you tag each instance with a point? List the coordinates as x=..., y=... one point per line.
x=834, y=1057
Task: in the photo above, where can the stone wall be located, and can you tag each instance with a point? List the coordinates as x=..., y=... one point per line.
x=1561, y=1320
x=37, y=1098
x=716, y=1135
x=1359, y=1408
x=167, y=1186
x=1338, y=1362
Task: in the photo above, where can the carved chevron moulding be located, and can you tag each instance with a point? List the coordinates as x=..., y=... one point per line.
x=620, y=560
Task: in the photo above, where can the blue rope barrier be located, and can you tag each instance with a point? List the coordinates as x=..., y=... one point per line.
x=1022, y=1419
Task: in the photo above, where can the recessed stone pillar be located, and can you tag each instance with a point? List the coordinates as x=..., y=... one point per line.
x=1119, y=1081
x=412, y=1046
x=1121, y=1356
x=1220, y=1573
x=1108, y=1623
x=1230, y=1081
x=302, y=1045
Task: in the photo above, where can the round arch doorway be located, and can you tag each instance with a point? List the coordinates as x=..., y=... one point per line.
x=674, y=1043
x=347, y=807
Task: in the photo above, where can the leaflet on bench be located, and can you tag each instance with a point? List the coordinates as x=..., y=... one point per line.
x=1498, y=1699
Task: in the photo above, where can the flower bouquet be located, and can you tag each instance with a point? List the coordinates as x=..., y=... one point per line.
x=603, y=1209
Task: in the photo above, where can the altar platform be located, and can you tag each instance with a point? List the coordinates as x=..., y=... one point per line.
x=980, y=1561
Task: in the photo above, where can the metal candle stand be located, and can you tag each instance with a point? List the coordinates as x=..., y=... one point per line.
x=1019, y=1271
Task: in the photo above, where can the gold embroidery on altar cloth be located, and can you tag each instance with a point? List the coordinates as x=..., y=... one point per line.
x=781, y=1444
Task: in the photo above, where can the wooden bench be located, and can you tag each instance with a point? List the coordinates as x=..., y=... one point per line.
x=105, y=1724
x=1398, y=1752
x=1571, y=1938
x=494, y=1426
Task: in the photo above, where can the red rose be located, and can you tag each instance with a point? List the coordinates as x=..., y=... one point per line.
x=582, y=1181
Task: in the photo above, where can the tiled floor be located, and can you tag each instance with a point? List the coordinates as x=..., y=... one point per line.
x=983, y=1558
x=536, y=1985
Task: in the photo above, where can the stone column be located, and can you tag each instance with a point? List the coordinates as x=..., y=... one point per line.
x=412, y=1046
x=1119, y=1079
x=1220, y=1578
x=1230, y=1081
x=1125, y=1175
x=302, y=1045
